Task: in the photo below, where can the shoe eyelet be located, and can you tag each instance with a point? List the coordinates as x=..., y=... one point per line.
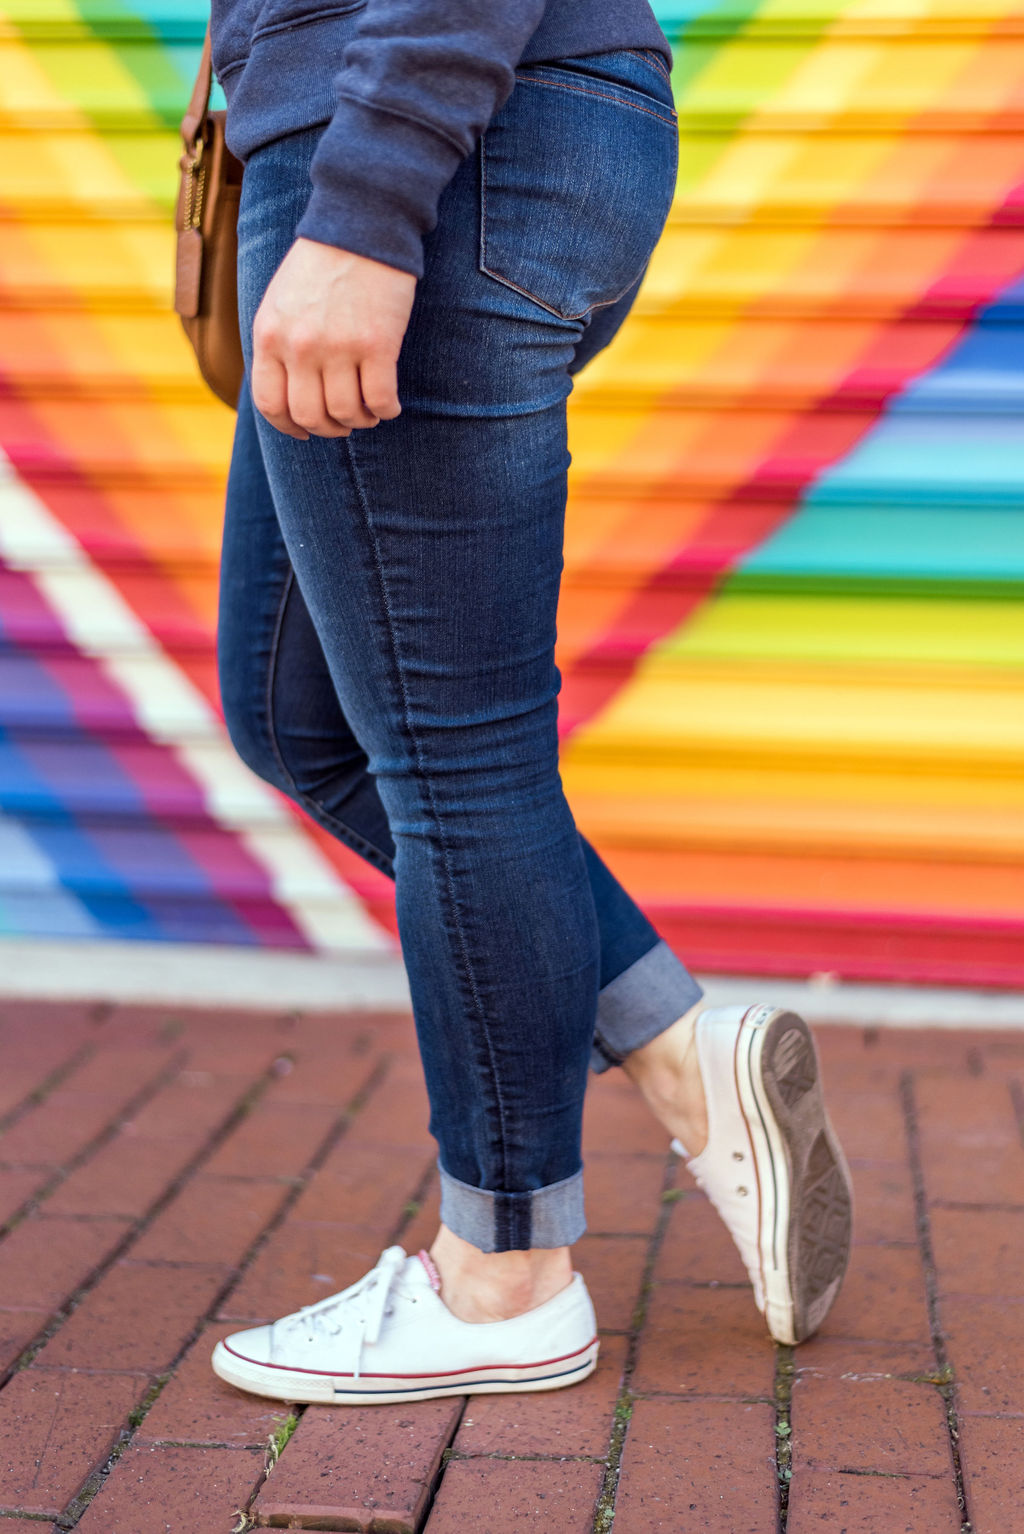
x=742, y=1192
x=737, y=1155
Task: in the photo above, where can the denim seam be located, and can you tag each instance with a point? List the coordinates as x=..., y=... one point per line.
x=312, y=806
x=604, y=1048
x=583, y=90
x=516, y=287
x=453, y=904
x=268, y=699
x=652, y=63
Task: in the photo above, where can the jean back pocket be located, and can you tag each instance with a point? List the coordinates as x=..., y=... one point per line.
x=577, y=175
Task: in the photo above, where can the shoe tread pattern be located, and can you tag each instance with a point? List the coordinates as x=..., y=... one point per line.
x=820, y=1203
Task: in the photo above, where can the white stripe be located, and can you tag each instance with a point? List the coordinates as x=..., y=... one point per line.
x=172, y=711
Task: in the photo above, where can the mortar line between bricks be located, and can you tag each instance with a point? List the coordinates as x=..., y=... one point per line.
x=420, y=1193
x=1017, y=1098
x=76, y=1507
x=102, y=1137
x=443, y=1460
x=140, y=1224
x=604, y=1514
x=783, y=1430
x=38, y=1095
x=908, y=1102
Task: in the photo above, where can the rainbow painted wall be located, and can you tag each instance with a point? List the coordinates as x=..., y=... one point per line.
x=792, y=631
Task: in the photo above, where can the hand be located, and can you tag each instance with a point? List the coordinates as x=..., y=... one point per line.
x=326, y=340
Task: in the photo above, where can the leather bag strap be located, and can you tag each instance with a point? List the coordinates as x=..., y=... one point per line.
x=194, y=121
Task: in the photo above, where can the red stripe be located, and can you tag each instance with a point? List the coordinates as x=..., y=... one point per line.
x=433, y=1374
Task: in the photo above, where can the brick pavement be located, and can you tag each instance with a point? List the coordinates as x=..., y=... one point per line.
x=167, y=1176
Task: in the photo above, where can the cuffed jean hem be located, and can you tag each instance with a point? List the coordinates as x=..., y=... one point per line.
x=639, y=1004
x=509, y=1222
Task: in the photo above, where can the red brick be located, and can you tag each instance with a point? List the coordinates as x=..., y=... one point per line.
x=883, y=1204
x=870, y=1424
x=870, y=1125
x=124, y=1177
x=137, y=1317
x=276, y=1139
x=615, y=1117
x=990, y=1452
x=197, y=1407
x=697, y=1248
x=623, y=1192
x=194, y=1105
x=423, y=1226
x=576, y=1421
x=613, y=1267
x=850, y=1064
x=986, y=1344
x=357, y=1467
x=153, y=1489
x=709, y=1341
x=396, y=1112
x=56, y=1023
x=301, y=1262
x=978, y=1251
x=970, y=1143
x=366, y=1185
x=503, y=1496
x=20, y=1081
x=26, y=1526
x=29, y=1066
x=17, y=1329
x=43, y=1261
x=868, y=1504
x=836, y=1357
x=691, y=1465
x=56, y=1426
x=212, y=1219
x=124, y=1071
x=882, y=1298
x=332, y=1080
x=60, y=1128
x=16, y=1186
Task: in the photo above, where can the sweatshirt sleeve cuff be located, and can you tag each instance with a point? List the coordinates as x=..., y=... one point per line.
x=377, y=181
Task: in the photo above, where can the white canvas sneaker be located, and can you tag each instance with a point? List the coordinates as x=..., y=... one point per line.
x=390, y=1337
x=772, y=1166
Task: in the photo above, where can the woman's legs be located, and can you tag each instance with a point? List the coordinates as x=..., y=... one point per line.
x=285, y=720
x=428, y=555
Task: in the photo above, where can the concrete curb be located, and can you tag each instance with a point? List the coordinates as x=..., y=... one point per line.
x=197, y=974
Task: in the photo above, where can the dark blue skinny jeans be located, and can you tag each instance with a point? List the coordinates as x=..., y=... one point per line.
x=387, y=628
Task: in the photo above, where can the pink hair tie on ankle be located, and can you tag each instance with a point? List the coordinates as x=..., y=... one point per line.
x=432, y=1273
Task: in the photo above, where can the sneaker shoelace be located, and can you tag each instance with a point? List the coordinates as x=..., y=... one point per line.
x=355, y=1315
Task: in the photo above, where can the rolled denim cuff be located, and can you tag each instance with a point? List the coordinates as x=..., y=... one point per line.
x=639, y=1004
x=507, y=1222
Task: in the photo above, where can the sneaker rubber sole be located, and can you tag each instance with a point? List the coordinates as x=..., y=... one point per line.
x=806, y=1203
x=368, y=1389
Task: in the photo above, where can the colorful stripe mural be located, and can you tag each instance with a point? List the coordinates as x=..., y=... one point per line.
x=792, y=632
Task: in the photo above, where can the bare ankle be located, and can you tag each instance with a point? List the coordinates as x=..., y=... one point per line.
x=494, y=1286
x=667, y=1072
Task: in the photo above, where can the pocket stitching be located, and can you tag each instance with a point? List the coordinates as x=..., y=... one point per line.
x=515, y=286
x=582, y=90
x=656, y=63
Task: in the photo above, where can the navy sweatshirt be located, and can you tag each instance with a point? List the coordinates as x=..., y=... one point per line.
x=406, y=88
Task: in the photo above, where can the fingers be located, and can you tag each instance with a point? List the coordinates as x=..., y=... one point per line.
x=302, y=401
x=342, y=395
x=270, y=393
x=378, y=381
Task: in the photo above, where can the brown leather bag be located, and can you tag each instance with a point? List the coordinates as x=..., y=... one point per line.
x=206, y=285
